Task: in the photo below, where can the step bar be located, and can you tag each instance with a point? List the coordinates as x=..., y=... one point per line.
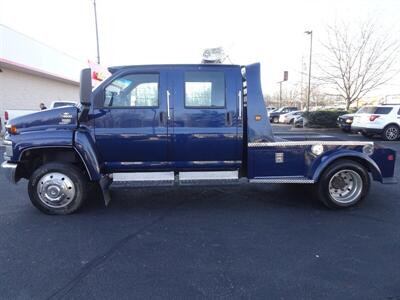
x=181, y=178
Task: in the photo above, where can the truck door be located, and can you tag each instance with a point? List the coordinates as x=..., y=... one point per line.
x=131, y=127
x=207, y=130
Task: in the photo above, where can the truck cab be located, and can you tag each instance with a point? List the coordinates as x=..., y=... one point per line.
x=175, y=125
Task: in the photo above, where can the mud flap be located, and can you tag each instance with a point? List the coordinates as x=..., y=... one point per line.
x=105, y=183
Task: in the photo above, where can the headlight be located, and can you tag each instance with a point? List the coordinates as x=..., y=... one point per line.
x=9, y=150
x=317, y=149
x=349, y=121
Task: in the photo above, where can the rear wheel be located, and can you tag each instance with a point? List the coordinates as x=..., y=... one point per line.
x=391, y=133
x=345, y=183
x=57, y=188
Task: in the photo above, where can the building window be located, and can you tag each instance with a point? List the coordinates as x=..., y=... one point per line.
x=204, y=89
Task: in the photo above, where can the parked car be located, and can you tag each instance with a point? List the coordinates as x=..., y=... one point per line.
x=270, y=109
x=289, y=117
x=274, y=115
x=299, y=122
x=380, y=119
x=344, y=122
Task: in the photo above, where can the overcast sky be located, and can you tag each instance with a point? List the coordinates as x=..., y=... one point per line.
x=175, y=31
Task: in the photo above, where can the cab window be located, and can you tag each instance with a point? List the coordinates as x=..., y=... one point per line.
x=204, y=89
x=133, y=90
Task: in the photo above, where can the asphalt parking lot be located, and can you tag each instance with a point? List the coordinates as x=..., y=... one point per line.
x=272, y=242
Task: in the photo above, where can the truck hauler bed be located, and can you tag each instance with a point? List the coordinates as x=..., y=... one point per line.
x=178, y=125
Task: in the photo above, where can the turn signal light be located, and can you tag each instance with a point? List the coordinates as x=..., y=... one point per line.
x=12, y=129
x=373, y=117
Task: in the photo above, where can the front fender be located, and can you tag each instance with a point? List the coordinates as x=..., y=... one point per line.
x=84, y=145
x=40, y=139
x=321, y=164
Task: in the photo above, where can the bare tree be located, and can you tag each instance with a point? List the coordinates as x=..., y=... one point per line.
x=354, y=64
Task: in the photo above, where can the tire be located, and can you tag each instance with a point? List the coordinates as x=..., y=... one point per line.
x=275, y=119
x=291, y=122
x=343, y=184
x=58, y=188
x=391, y=133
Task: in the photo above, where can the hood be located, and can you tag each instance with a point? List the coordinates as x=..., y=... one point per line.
x=346, y=116
x=58, y=118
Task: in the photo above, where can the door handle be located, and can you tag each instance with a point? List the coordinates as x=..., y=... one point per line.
x=240, y=105
x=168, y=112
x=228, y=119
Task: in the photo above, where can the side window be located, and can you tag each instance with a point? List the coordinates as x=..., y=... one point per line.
x=133, y=90
x=204, y=89
x=398, y=112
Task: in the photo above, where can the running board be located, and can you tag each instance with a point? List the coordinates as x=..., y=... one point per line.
x=209, y=178
x=282, y=179
x=143, y=179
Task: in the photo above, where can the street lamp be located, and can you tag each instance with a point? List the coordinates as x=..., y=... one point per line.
x=97, y=32
x=310, y=33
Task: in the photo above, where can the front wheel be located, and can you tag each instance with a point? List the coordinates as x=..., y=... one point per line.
x=275, y=119
x=57, y=188
x=343, y=184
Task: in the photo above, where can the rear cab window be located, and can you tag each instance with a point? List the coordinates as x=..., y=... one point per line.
x=204, y=89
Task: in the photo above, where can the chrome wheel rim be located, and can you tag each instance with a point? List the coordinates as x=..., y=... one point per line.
x=392, y=133
x=345, y=186
x=56, y=190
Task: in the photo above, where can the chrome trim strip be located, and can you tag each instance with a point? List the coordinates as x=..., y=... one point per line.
x=10, y=170
x=283, y=179
x=209, y=175
x=309, y=143
x=144, y=176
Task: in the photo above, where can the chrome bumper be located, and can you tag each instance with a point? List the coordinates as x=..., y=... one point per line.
x=9, y=171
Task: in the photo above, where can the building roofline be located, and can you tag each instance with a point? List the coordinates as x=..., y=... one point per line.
x=7, y=64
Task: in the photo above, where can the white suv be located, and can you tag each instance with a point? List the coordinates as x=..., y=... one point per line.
x=379, y=119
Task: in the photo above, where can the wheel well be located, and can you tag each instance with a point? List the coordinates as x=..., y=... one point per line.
x=370, y=168
x=32, y=159
x=395, y=124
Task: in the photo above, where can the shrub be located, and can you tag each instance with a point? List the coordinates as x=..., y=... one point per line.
x=322, y=118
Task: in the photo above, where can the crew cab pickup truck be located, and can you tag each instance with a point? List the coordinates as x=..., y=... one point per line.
x=178, y=125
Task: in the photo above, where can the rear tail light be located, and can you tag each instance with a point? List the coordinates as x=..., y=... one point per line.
x=6, y=115
x=373, y=117
x=390, y=157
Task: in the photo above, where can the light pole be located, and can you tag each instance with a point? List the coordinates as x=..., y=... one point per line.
x=285, y=78
x=310, y=33
x=97, y=32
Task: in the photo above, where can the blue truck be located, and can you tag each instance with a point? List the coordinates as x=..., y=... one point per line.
x=172, y=125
